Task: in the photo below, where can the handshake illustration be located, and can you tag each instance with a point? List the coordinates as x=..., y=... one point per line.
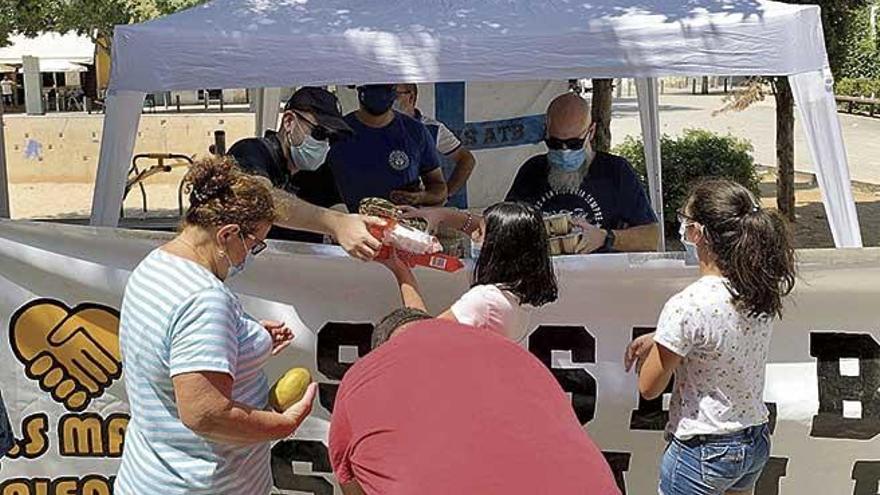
x=72, y=353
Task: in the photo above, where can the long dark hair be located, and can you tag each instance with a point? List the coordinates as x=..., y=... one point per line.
x=516, y=254
x=752, y=246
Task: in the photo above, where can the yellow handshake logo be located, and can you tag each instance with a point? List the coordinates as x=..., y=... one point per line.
x=72, y=353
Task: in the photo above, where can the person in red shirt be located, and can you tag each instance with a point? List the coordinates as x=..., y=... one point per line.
x=444, y=408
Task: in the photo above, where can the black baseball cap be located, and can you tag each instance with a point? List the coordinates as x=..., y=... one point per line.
x=323, y=104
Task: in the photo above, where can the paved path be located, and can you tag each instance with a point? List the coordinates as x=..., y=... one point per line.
x=757, y=124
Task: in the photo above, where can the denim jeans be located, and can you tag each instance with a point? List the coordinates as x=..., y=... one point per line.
x=714, y=464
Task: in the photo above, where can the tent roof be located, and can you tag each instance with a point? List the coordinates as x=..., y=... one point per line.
x=265, y=43
x=60, y=48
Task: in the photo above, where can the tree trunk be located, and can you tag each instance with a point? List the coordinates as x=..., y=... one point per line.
x=705, y=87
x=602, y=93
x=784, y=148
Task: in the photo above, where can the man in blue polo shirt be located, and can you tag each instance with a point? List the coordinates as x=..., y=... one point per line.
x=390, y=155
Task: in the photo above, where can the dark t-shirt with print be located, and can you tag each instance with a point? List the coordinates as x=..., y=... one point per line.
x=610, y=196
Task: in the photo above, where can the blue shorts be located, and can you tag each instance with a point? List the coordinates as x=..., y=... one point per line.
x=714, y=464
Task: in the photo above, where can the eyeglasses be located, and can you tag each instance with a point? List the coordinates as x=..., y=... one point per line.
x=317, y=131
x=259, y=246
x=683, y=218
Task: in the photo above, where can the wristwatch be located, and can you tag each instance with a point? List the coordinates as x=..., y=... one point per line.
x=609, y=240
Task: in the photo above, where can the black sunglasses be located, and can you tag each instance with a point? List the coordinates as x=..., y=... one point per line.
x=565, y=144
x=259, y=245
x=318, y=131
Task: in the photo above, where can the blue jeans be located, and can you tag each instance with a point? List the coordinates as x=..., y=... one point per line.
x=714, y=464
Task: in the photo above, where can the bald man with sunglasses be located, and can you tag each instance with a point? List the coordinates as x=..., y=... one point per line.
x=600, y=190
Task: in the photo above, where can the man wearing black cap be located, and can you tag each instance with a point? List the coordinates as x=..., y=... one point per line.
x=291, y=159
x=390, y=155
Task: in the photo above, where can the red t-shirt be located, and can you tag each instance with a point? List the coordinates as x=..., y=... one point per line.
x=445, y=408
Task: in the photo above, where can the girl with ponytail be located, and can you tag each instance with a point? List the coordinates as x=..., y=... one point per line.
x=715, y=337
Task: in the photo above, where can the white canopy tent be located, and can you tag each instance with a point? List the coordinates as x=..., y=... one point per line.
x=262, y=44
x=57, y=52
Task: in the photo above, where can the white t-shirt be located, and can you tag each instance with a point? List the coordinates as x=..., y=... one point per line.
x=719, y=386
x=6, y=87
x=447, y=143
x=492, y=308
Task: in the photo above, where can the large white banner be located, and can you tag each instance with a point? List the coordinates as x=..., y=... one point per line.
x=60, y=288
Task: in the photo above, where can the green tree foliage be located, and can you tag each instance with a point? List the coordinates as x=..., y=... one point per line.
x=93, y=18
x=862, y=55
x=694, y=155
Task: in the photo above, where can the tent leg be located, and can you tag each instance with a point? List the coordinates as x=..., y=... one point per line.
x=121, y=119
x=649, y=117
x=814, y=98
x=266, y=102
x=4, y=177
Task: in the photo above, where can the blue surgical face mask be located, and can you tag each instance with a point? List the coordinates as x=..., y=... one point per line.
x=236, y=269
x=310, y=154
x=377, y=99
x=567, y=160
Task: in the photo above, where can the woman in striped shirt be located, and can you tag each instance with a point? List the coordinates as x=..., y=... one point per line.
x=193, y=358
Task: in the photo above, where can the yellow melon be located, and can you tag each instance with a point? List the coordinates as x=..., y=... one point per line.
x=289, y=389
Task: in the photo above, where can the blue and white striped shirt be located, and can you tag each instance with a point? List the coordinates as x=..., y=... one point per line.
x=177, y=317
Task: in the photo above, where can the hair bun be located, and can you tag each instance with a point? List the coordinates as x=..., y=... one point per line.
x=210, y=179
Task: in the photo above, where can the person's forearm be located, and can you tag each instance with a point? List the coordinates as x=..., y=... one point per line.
x=637, y=239
x=242, y=425
x=409, y=292
x=464, y=166
x=294, y=213
x=461, y=220
x=435, y=194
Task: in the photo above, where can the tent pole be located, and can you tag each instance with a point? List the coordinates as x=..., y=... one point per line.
x=123, y=114
x=267, y=102
x=649, y=118
x=814, y=99
x=4, y=177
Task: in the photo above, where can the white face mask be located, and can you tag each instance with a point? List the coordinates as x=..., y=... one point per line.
x=310, y=154
x=236, y=269
x=689, y=246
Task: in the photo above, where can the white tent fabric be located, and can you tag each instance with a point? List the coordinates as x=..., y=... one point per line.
x=67, y=48
x=257, y=43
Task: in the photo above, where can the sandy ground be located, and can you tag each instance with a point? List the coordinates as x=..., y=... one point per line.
x=73, y=200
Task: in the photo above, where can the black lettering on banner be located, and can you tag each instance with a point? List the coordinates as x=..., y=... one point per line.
x=285, y=452
x=835, y=388
x=775, y=469
x=34, y=440
x=867, y=476
x=619, y=463
x=650, y=414
x=576, y=381
x=331, y=338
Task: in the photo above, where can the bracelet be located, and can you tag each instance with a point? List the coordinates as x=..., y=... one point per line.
x=468, y=224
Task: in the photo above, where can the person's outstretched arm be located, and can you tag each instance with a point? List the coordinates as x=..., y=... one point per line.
x=406, y=282
x=349, y=230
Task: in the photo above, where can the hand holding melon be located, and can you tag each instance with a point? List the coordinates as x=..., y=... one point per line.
x=289, y=389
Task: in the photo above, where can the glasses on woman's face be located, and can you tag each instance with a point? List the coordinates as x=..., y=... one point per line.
x=259, y=246
x=317, y=131
x=683, y=218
